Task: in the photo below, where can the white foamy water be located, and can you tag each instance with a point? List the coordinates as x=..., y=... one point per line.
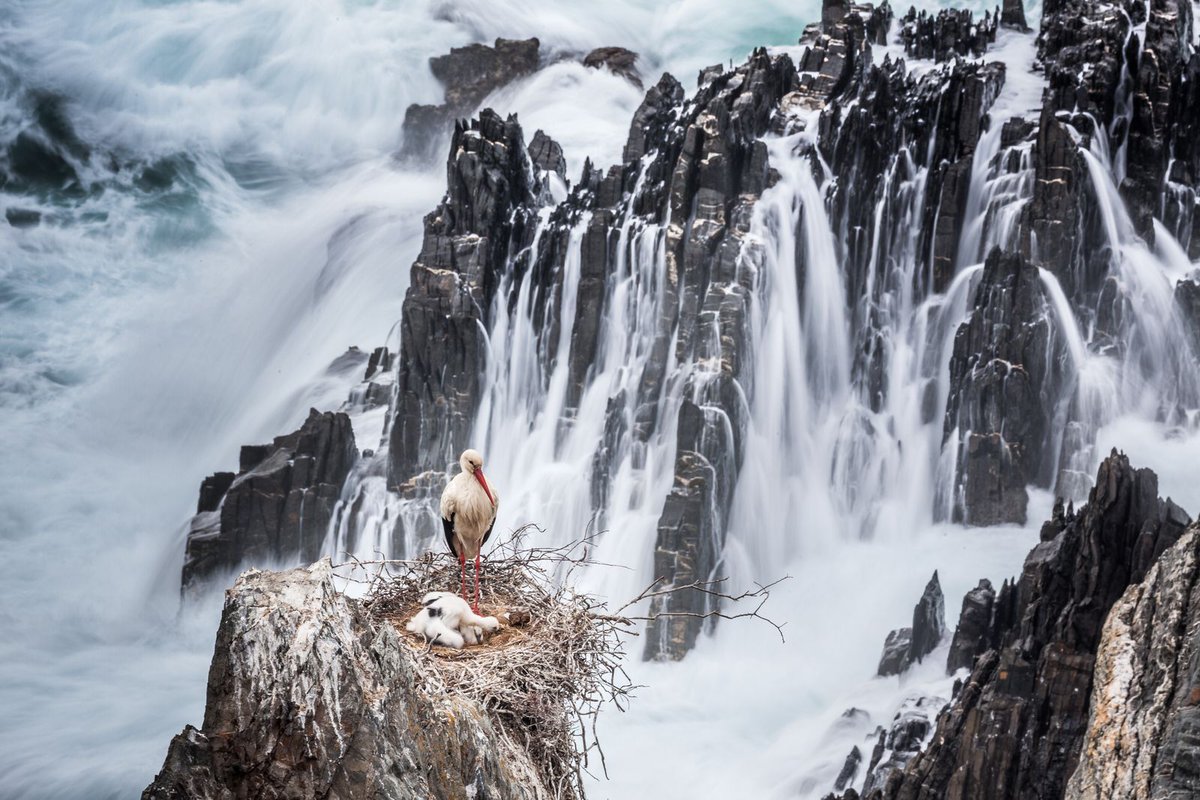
x=145, y=335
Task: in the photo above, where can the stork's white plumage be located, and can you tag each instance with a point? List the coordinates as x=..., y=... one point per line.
x=468, y=515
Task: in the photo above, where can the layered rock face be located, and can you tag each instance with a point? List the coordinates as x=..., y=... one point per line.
x=277, y=508
x=308, y=698
x=1143, y=735
x=998, y=407
x=453, y=282
x=1019, y=722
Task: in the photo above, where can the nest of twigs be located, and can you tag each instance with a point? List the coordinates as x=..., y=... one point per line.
x=542, y=683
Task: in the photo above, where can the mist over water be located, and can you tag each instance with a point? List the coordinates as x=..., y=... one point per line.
x=149, y=329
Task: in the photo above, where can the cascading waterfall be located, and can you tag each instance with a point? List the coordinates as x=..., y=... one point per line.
x=193, y=320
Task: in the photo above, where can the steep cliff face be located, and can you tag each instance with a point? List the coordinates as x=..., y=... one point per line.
x=1017, y=727
x=453, y=281
x=277, y=508
x=999, y=409
x=308, y=698
x=1143, y=734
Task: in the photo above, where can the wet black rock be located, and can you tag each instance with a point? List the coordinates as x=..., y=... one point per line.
x=1017, y=727
x=468, y=74
x=450, y=292
x=974, y=622
x=908, y=733
x=617, y=60
x=949, y=33
x=907, y=646
x=849, y=769
x=896, y=648
x=277, y=509
x=999, y=371
x=1187, y=297
x=1012, y=15
x=929, y=621
x=547, y=154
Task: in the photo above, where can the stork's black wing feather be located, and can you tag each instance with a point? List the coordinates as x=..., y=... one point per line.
x=448, y=527
x=488, y=534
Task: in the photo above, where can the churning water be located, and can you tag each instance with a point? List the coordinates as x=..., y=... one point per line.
x=149, y=327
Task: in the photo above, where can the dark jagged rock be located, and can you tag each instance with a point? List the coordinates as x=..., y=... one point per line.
x=1016, y=729
x=468, y=74
x=547, y=154
x=889, y=124
x=929, y=621
x=309, y=698
x=949, y=33
x=617, y=60
x=1143, y=735
x=718, y=168
x=1187, y=297
x=849, y=769
x=974, y=623
x=896, y=648
x=452, y=285
x=656, y=111
x=1012, y=15
x=910, y=729
x=278, y=507
x=998, y=376
x=906, y=646
x=1158, y=108
x=213, y=489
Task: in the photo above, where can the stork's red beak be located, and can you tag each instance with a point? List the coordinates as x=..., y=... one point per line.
x=483, y=482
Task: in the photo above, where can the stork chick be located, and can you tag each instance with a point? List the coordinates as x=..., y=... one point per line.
x=468, y=516
x=447, y=619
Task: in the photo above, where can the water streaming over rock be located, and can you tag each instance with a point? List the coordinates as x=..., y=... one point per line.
x=777, y=336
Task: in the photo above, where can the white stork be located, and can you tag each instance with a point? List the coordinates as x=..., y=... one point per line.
x=468, y=516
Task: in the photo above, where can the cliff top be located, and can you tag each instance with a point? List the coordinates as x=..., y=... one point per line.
x=545, y=675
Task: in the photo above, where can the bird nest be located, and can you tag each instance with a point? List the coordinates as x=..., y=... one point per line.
x=543, y=681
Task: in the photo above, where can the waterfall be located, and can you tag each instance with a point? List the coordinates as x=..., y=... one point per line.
x=241, y=218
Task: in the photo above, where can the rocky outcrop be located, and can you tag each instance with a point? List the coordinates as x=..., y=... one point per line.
x=277, y=508
x=1018, y=724
x=468, y=74
x=617, y=60
x=999, y=378
x=1143, y=739
x=307, y=697
x=1159, y=110
x=947, y=34
x=1143, y=734
x=896, y=647
x=716, y=175
x=898, y=745
x=971, y=635
x=452, y=284
x=1187, y=297
x=906, y=646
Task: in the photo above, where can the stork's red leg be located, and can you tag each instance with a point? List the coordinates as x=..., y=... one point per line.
x=462, y=585
x=475, y=607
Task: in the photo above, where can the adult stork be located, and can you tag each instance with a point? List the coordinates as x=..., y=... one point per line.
x=468, y=516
